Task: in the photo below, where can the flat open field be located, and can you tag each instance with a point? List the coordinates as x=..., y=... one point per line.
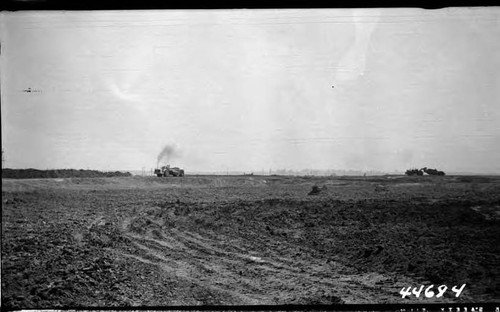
x=224, y=240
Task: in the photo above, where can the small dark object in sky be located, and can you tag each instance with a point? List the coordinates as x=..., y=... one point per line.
x=333, y=87
x=30, y=90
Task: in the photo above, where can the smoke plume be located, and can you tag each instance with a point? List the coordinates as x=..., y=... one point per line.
x=169, y=152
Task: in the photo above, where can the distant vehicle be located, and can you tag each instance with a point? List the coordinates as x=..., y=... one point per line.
x=433, y=171
x=426, y=170
x=411, y=172
x=166, y=171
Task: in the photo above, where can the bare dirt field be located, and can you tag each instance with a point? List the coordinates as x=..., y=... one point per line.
x=232, y=240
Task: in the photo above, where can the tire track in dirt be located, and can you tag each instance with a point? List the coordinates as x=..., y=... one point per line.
x=181, y=269
x=256, y=280
x=209, y=265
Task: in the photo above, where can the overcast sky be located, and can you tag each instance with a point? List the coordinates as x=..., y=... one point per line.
x=378, y=89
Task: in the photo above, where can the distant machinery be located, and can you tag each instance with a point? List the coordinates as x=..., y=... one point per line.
x=420, y=172
x=414, y=171
x=166, y=171
x=433, y=171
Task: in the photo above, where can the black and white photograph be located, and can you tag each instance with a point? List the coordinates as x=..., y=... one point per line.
x=250, y=157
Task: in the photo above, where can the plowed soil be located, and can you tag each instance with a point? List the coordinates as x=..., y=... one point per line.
x=226, y=240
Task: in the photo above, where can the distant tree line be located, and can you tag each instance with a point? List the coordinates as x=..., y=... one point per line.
x=59, y=173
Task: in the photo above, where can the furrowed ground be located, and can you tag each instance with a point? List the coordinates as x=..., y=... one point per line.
x=224, y=240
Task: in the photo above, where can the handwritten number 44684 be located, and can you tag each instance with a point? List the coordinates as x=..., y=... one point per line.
x=428, y=291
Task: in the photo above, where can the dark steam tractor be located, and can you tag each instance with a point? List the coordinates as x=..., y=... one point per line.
x=166, y=171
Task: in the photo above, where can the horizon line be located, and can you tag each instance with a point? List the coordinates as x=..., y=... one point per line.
x=298, y=172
